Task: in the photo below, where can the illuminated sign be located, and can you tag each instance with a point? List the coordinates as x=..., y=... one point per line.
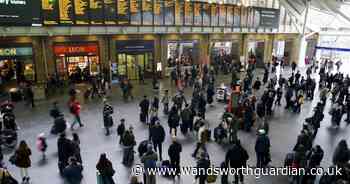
x=20, y=51
x=75, y=49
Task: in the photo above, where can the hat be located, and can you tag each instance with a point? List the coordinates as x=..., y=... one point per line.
x=262, y=131
x=41, y=135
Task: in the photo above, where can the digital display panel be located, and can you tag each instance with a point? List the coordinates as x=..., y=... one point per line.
x=179, y=12
x=96, y=12
x=197, y=14
x=206, y=14
x=169, y=6
x=49, y=12
x=66, y=11
x=135, y=12
x=158, y=12
x=123, y=12
x=147, y=11
x=188, y=12
x=110, y=13
x=222, y=15
x=81, y=11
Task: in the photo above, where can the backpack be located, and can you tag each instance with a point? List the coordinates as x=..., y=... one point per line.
x=150, y=163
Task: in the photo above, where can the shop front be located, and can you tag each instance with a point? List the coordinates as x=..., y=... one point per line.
x=185, y=53
x=282, y=50
x=16, y=65
x=224, y=49
x=256, y=51
x=77, y=61
x=135, y=59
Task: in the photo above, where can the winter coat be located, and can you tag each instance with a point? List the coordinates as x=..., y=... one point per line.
x=75, y=107
x=148, y=158
x=341, y=155
x=186, y=115
x=121, y=129
x=60, y=124
x=237, y=156
x=23, y=158
x=257, y=85
x=157, y=134
x=144, y=105
x=174, y=150
x=55, y=112
x=73, y=173
x=65, y=149
x=128, y=139
x=174, y=120
x=262, y=144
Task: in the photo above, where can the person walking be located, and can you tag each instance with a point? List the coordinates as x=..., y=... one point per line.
x=73, y=173
x=341, y=154
x=65, y=150
x=76, y=146
x=174, y=153
x=128, y=142
x=23, y=161
x=75, y=108
x=186, y=118
x=144, y=106
x=158, y=137
x=262, y=149
x=165, y=102
x=236, y=158
x=149, y=160
x=202, y=164
x=173, y=121
x=107, y=116
x=105, y=169
x=121, y=130
x=42, y=144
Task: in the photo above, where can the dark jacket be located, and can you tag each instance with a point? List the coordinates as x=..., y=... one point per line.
x=262, y=144
x=144, y=105
x=128, y=139
x=174, y=150
x=205, y=164
x=341, y=155
x=66, y=149
x=237, y=156
x=73, y=173
x=157, y=134
x=173, y=120
x=186, y=115
x=23, y=158
x=121, y=129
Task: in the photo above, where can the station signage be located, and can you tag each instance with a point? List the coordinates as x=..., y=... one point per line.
x=75, y=49
x=269, y=17
x=16, y=51
x=20, y=12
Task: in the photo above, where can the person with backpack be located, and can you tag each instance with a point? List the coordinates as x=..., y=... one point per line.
x=73, y=172
x=262, y=149
x=105, y=169
x=75, y=108
x=237, y=157
x=158, y=137
x=121, y=130
x=174, y=153
x=128, y=142
x=149, y=159
x=22, y=160
x=107, y=116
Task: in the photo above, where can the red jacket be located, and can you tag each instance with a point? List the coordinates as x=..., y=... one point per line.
x=75, y=107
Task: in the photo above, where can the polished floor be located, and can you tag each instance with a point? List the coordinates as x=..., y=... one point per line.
x=284, y=128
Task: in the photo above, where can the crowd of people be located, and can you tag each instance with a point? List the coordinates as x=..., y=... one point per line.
x=255, y=102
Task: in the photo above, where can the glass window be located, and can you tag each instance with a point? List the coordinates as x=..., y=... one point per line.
x=109, y=12
x=222, y=15
x=206, y=14
x=256, y=19
x=229, y=22
x=198, y=14
x=179, y=12
x=188, y=13
x=214, y=15
x=169, y=6
x=122, y=64
x=244, y=17
x=147, y=12
x=158, y=12
x=135, y=12
x=237, y=16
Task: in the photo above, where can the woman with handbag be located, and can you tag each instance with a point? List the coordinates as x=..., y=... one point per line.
x=23, y=160
x=105, y=169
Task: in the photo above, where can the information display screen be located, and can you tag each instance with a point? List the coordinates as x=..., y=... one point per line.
x=81, y=11
x=229, y=17
x=188, y=12
x=206, y=14
x=158, y=12
x=197, y=14
x=123, y=12
x=169, y=6
x=66, y=12
x=135, y=12
x=49, y=12
x=96, y=12
x=20, y=12
x=179, y=12
x=237, y=16
x=222, y=15
x=214, y=15
x=147, y=12
x=110, y=13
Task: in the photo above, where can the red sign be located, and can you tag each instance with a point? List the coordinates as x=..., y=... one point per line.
x=76, y=49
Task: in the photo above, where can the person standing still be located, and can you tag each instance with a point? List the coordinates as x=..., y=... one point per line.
x=23, y=161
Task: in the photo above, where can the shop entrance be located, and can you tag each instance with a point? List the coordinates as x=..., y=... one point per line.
x=257, y=49
x=282, y=50
x=132, y=65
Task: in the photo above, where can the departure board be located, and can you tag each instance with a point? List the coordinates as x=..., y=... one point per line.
x=206, y=14
x=158, y=12
x=123, y=12
x=110, y=12
x=214, y=15
x=179, y=12
x=188, y=13
x=135, y=12
x=237, y=16
x=169, y=6
x=229, y=20
x=96, y=11
x=222, y=15
x=147, y=11
x=197, y=14
x=66, y=11
x=49, y=12
x=81, y=10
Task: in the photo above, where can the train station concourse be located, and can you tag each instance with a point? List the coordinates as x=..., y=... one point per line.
x=174, y=91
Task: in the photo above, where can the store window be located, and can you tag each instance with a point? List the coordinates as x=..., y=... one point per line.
x=182, y=52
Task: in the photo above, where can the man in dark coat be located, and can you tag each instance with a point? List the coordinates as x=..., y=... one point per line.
x=144, y=105
x=262, y=149
x=202, y=106
x=203, y=164
x=107, y=118
x=121, y=130
x=158, y=137
x=65, y=150
x=174, y=152
x=294, y=66
x=257, y=84
x=186, y=117
x=237, y=157
x=73, y=172
x=173, y=121
x=315, y=156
